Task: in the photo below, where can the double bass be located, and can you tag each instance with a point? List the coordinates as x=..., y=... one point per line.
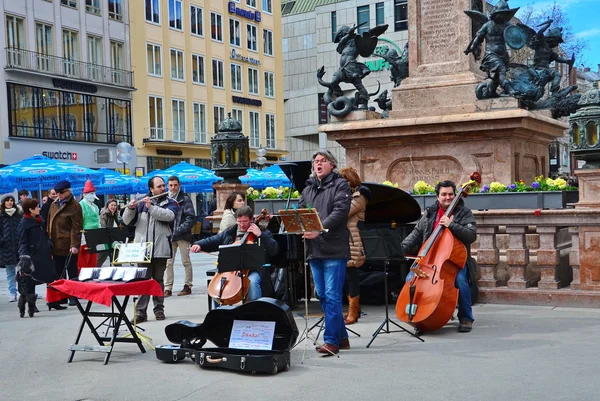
x=229, y=288
x=429, y=299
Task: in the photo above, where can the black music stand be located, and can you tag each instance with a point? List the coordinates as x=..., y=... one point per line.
x=378, y=246
x=238, y=257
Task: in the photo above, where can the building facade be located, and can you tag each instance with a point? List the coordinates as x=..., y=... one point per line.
x=196, y=61
x=308, y=33
x=66, y=81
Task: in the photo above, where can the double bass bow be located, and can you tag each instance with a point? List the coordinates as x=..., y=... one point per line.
x=229, y=288
x=428, y=300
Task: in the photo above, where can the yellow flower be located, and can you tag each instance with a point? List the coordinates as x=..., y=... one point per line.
x=388, y=183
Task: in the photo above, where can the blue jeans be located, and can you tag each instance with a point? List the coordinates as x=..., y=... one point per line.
x=464, y=294
x=255, y=290
x=329, y=276
x=10, y=279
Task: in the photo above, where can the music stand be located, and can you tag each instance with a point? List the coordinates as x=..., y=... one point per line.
x=300, y=221
x=378, y=249
x=97, y=239
x=239, y=257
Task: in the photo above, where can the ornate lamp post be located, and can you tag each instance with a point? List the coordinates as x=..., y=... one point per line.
x=585, y=126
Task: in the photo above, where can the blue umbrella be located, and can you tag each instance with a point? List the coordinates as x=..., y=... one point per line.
x=262, y=179
x=191, y=177
x=114, y=183
x=39, y=172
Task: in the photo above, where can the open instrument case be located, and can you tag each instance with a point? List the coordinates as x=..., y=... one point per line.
x=217, y=328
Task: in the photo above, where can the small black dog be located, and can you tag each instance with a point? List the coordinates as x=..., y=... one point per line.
x=26, y=284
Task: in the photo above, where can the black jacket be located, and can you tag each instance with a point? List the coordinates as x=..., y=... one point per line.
x=9, y=241
x=33, y=241
x=184, y=219
x=331, y=198
x=227, y=237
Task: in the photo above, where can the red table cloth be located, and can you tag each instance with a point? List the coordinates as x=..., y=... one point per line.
x=100, y=291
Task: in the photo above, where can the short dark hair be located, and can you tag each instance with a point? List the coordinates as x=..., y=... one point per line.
x=173, y=178
x=244, y=211
x=151, y=181
x=232, y=197
x=23, y=192
x=29, y=203
x=444, y=184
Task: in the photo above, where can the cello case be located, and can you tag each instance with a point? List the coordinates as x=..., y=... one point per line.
x=217, y=329
x=187, y=335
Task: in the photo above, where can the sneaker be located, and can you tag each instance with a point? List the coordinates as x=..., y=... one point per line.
x=465, y=326
x=168, y=293
x=187, y=290
x=12, y=298
x=159, y=315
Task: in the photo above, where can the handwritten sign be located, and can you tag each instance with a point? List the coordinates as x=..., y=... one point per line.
x=248, y=334
x=134, y=252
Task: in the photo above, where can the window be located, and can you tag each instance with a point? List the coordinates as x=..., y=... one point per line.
x=153, y=11
x=251, y=37
x=70, y=46
x=94, y=44
x=235, y=32
x=175, y=18
x=253, y=81
x=197, y=20
x=254, y=129
x=238, y=115
x=177, y=64
x=379, y=14
x=155, y=112
x=117, y=62
x=15, y=40
x=268, y=42
x=154, y=59
x=267, y=6
x=115, y=10
x=251, y=3
x=270, y=130
x=269, y=84
x=218, y=71
x=362, y=17
x=44, y=46
x=216, y=27
x=219, y=115
x=200, y=135
x=400, y=15
x=178, y=120
x=69, y=3
x=198, y=69
x=92, y=6
x=333, y=25
x=236, y=77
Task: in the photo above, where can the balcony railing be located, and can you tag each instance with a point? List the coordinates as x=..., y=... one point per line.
x=64, y=67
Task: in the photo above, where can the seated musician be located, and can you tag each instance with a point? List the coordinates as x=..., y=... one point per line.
x=244, y=218
x=462, y=225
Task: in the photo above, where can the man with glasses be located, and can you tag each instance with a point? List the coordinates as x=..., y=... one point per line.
x=244, y=218
x=153, y=220
x=328, y=252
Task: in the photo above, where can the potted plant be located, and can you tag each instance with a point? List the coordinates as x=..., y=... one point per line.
x=271, y=198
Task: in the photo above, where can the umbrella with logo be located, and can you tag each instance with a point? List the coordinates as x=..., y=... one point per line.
x=261, y=179
x=114, y=183
x=40, y=172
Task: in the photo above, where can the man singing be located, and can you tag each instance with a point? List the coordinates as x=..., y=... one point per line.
x=244, y=217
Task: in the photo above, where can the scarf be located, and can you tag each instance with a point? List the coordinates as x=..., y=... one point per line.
x=10, y=211
x=28, y=216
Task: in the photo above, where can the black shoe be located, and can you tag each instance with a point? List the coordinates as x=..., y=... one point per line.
x=140, y=319
x=36, y=310
x=55, y=305
x=72, y=301
x=30, y=313
x=22, y=313
x=160, y=315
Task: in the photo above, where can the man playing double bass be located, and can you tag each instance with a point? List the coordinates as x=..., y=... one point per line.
x=244, y=217
x=462, y=225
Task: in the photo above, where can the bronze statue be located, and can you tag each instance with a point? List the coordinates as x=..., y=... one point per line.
x=350, y=71
x=398, y=64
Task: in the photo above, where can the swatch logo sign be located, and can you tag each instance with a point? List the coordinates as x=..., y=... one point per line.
x=61, y=155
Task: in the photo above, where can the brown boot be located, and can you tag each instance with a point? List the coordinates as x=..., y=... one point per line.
x=353, y=311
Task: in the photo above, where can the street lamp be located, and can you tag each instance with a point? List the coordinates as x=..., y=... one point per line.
x=260, y=156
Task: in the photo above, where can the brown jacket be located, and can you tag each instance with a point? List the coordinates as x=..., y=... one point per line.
x=64, y=226
x=357, y=213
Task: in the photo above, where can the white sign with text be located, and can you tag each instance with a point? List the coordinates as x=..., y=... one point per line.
x=249, y=334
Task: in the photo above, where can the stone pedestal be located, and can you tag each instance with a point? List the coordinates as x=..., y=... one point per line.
x=223, y=191
x=358, y=115
x=589, y=188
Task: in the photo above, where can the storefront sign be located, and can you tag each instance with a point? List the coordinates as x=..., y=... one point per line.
x=245, y=100
x=74, y=86
x=253, y=15
x=60, y=155
x=237, y=56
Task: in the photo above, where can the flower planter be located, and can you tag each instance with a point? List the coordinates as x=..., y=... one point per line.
x=512, y=200
x=272, y=205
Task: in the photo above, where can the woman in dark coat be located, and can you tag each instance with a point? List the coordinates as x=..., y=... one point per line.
x=33, y=241
x=10, y=215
